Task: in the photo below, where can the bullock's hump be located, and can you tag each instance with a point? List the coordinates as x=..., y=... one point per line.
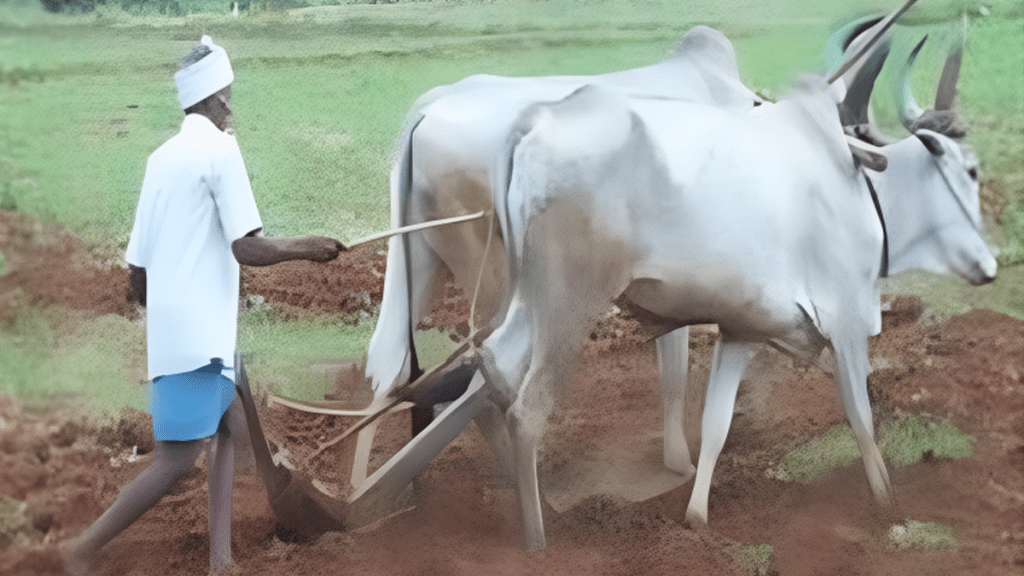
x=591, y=120
x=709, y=47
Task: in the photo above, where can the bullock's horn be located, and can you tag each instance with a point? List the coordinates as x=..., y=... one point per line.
x=858, y=94
x=946, y=92
x=839, y=41
x=943, y=121
x=906, y=105
x=889, y=21
x=851, y=31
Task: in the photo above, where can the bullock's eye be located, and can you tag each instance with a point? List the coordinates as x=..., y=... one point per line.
x=973, y=172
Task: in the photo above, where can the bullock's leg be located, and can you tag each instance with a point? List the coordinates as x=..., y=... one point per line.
x=544, y=333
x=504, y=360
x=673, y=356
x=727, y=367
x=491, y=423
x=852, y=379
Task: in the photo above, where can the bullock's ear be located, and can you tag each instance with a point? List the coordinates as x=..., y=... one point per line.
x=931, y=142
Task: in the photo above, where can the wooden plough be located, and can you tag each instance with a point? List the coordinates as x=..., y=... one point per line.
x=304, y=509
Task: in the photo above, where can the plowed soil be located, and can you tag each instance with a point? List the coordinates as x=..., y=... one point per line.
x=463, y=517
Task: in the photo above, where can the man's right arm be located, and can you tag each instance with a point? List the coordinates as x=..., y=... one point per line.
x=254, y=250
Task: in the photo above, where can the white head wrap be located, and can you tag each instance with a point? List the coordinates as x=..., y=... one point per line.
x=204, y=78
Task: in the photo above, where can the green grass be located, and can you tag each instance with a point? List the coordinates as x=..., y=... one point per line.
x=61, y=356
x=752, y=559
x=15, y=523
x=834, y=449
x=907, y=440
x=947, y=296
x=279, y=354
x=914, y=535
x=321, y=92
x=320, y=96
x=902, y=442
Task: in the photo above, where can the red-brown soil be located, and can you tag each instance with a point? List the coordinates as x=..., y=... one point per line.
x=969, y=369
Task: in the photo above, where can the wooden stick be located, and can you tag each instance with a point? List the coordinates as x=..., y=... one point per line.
x=328, y=408
x=401, y=394
x=420, y=226
x=891, y=19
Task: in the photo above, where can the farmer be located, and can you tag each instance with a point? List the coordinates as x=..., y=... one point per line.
x=195, y=222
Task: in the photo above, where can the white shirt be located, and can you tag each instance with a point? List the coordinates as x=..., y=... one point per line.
x=196, y=200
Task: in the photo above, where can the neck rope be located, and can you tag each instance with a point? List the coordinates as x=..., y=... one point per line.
x=884, y=272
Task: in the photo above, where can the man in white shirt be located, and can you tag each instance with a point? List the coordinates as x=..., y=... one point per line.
x=196, y=221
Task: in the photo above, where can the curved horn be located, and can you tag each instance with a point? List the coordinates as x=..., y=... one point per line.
x=858, y=94
x=883, y=27
x=946, y=93
x=906, y=105
x=839, y=41
x=856, y=28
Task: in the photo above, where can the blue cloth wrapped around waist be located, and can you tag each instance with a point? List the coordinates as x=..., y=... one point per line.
x=189, y=405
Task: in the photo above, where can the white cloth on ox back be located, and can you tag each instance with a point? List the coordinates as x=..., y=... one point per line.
x=204, y=78
x=196, y=200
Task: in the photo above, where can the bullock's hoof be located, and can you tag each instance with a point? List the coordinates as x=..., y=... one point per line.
x=231, y=569
x=686, y=470
x=76, y=561
x=696, y=521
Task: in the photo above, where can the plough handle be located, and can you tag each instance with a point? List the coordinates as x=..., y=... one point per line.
x=275, y=477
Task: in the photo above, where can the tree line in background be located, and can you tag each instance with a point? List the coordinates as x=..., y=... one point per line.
x=165, y=7
x=183, y=7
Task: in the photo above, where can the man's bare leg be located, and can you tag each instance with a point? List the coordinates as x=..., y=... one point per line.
x=170, y=461
x=221, y=477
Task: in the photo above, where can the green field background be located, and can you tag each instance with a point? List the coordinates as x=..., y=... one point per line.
x=319, y=97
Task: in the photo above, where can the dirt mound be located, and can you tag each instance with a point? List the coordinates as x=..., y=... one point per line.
x=968, y=370
x=352, y=283
x=52, y=266
x=465, y=519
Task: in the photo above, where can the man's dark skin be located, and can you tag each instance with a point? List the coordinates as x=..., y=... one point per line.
x=250, y=250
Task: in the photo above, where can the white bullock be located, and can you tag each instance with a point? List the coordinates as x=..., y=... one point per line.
x=759, y=222
x=447, y=146
x=443, y=168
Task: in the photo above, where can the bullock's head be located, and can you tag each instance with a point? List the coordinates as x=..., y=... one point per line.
x=941, y=174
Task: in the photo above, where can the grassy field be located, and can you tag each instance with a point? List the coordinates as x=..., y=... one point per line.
x=320, y=95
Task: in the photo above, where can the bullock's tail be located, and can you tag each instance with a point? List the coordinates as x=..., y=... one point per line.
x=393, y=337
x=391, y=357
